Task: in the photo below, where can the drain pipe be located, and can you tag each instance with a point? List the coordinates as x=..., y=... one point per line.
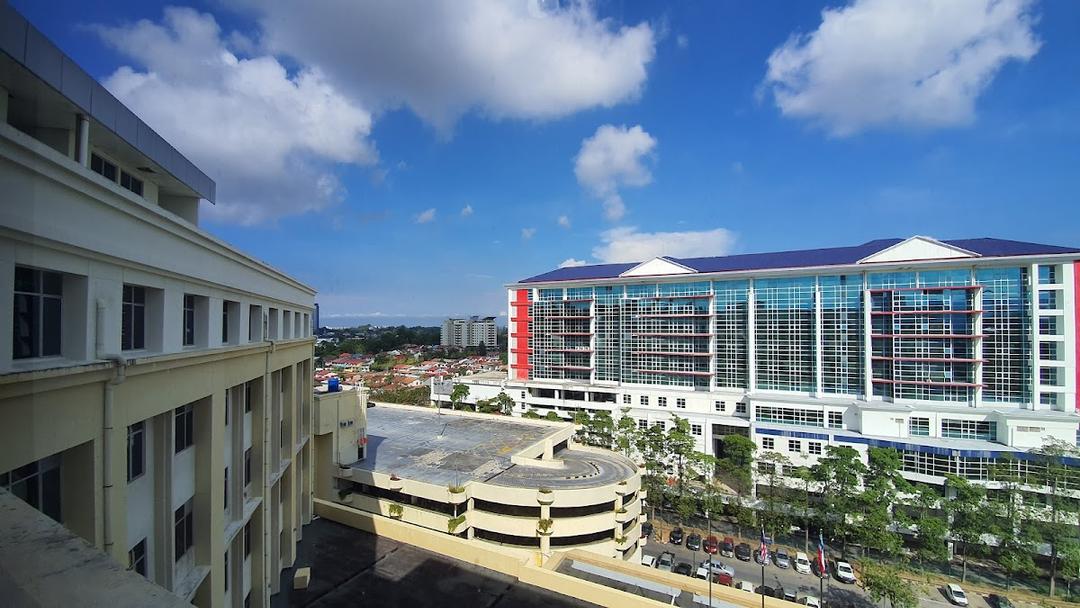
x=268, y=434
x=119, y=369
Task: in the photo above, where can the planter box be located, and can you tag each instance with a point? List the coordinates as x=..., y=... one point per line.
x=345, y=472
x=396, y=484
x=458, y=498
x=623, y=517
x=545, y=498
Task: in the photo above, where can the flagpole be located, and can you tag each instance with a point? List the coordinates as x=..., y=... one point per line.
x=764, y=555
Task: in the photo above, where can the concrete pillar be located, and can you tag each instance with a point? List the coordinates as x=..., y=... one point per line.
x=82, y=139
x=210, y=497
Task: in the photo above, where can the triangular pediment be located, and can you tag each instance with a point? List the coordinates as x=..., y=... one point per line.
x=918, y=248
x=658, y=266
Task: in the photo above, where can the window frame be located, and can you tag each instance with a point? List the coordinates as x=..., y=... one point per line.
x=133, y=317
x=188, y=315
x=183, y=428
x=183, y=529
x=136, y=450
x=137, y=558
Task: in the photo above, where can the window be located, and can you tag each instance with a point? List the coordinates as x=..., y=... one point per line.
x=131, y=182
x=1048, y=275
x=659, y=424
x=226, y=488
x=968, y=429
x=247, y=539
x=137, y=558
x=189, y=319
x=626, y=399
x=1048, y=300
x=643, y=425
x=644, y=400
x=794, y=445
x=183, y=529
x=814, y=447
x=247, y=467
x=1048, y=351
x=695, y=429
x=136, y=446
x=227, y=577
x=225, y=321
x=740, y=408
x=1048, y=326
x=768, y=443
x=247, y=397
x=184, y=431
x=133, y=318
x=1050, y=399
x=919, y=427
x=718, y=406
x=103, y=167
x=37, y=484
x=836, y=420
x=1048, y=376
x=680, y=402
x=38, y=295
x=788, y=415
x=661, y=401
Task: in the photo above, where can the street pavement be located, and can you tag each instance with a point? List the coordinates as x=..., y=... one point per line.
x=837, y=594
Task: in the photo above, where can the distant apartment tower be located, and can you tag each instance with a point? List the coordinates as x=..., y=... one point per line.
x=157, y=382
x=473, y=331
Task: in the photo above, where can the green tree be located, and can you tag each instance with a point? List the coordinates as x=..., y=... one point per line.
x=1016, y=551
x=734, y=470
x=774, y=515
x=1061, y=504
x=504, y=403
x=1070, y=563
x=966, y=510
x=882, y=484
x=651, y=446
x=681, y=445
x=531, y=414
x=801, y=501
x=601, y=429
x=1017, y=535
x=458, y=394
x=840, y=473
x=931, y=530
x=884, y=582
x=626, y=433
x=552, y=416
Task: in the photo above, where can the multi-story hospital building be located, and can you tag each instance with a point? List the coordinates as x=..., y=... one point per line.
x=952, y=352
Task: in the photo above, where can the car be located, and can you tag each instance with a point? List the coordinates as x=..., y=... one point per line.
x=716, y=566
x=815, y=567
x=727, y=548
x=956, y=594
x=781, y=559
x=666, y=561
x=757, y=556
x=675, y=537
x=802, y=563
x=810, y=601
x=998, y=601
x=649, y=561
x=646, y=529
x=844, y=572
x=724, y=579
x=683, y=568
x=742, y=552
x=766, y=590
x=693, y=541
x=789, y=595
x=711, y=545
x=745, y=586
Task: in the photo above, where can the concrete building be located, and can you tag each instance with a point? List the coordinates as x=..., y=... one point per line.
x=471, y=332
x=155, y=383
x=952, y=352
x=518, y=486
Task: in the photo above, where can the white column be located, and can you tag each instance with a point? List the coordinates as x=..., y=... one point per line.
x=868, y=351
x=818, y=355
x=82, y=135
x=751, y=365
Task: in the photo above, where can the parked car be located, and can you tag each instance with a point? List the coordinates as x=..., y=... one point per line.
x=781, y=559
x=844, y=572
x=717, y=568
x=810, y=601
x=802, y=563
x=683, y=568
x=724, y=579
x=727, y=548
x=745, y=586
x=790, y=595
x=665, y=561
x=675, y=537
x=646, y=529
x=757, y=556
x=815, y=568
x=711, y=545
x=648, y=560
x=998, y=601
x=693, y=541
x=956, y=594
x=742, y=552
x=765, y=590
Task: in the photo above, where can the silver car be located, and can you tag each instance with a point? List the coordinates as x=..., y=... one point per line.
x=666, y=561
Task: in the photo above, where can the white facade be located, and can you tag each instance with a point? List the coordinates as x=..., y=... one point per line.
x=469, y=333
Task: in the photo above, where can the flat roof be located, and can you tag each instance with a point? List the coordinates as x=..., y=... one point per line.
x=422, y=445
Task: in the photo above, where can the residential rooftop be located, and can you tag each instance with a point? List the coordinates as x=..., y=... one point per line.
x=448, y=449
x=802, y=258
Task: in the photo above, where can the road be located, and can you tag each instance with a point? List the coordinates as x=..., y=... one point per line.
x=837, y=594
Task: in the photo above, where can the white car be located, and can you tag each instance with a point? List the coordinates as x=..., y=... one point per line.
x=810, y=601
x=717, y=568
x=955, y=594
x=745, y=586
x=802, y=563
x=844, y=572
x=666, y=561
x=649, y=561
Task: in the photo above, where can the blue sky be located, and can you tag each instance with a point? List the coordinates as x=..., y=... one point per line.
x=689, y=128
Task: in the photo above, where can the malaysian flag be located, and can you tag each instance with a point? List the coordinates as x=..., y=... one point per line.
x=821, y=554
x=763, y=552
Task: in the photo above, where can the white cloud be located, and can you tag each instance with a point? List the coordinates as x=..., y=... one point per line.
x=270, y=139
x=563, y=221
x=914, y=62
x=682, y=41
x=426, y=216
x=626, y=244
x=611, y=159
x=527, y=233
x=571, y=263
x=444, y=58
x=466, y=211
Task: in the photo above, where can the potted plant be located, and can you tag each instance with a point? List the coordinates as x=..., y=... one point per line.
x=453, y=523
x=396, y=510
x=545, y=496
x=457, y=493
x=396, y=482
x=345, y=495
x=543, y=527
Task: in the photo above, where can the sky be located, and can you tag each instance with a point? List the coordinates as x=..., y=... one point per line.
x=408, y=159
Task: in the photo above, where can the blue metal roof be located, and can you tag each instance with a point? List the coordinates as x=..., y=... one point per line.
x=804, y=258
